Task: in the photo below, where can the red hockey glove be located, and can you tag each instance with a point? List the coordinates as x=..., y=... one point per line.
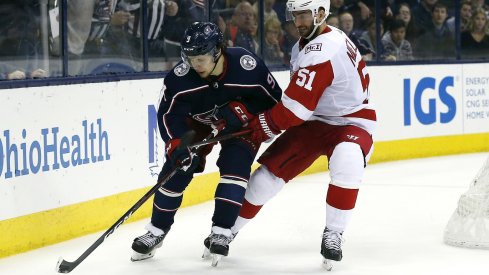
x=263, y=128
x=234, y=116
x=181, y=156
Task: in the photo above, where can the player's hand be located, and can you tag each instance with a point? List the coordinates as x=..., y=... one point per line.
x=262, y=128
x=233, y=117
x=181, y=156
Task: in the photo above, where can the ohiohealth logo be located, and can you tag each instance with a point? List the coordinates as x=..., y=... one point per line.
x=53, y=151
x=154, y=143
x=429, y=91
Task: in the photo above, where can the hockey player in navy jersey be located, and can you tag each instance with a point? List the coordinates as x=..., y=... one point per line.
x=212, y=85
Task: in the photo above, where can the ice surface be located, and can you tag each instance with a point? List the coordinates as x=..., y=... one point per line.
x=397, y=228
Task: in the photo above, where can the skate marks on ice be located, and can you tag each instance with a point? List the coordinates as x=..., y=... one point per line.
x=397, y=228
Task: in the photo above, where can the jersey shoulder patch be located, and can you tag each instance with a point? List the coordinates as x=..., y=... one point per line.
x=181, y=69
x=247, y=62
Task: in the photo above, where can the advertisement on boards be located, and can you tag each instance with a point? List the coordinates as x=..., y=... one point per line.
x=417, y=101
x=66, y=144
x=62, y=145
x=475, y=105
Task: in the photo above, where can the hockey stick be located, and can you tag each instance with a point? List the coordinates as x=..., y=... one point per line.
x=220, y=138
x=66, y=266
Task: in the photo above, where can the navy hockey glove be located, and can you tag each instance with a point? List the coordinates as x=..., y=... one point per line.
x=233, y=116
x=263, y=128
x=181, y=156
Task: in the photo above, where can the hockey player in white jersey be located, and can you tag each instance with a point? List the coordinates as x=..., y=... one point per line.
x=325, y=110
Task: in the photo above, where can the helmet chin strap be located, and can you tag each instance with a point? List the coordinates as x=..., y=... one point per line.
x=312, y=33
x=215, y=62
x=315, y=27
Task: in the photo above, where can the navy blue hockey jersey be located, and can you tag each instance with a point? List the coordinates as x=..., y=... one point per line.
x=187, y=95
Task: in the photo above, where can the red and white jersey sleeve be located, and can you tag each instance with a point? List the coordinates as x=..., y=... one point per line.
x=329, y=83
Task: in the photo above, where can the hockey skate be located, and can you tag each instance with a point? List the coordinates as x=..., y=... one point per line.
x=331, y=247
x=145, y=246
x=217, y=244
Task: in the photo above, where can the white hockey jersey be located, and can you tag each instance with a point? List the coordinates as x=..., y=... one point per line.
x=329, y=82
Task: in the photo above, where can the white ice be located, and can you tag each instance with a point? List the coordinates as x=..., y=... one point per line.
x=397, y=228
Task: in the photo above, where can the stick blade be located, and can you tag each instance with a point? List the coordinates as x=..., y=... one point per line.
x=64, y=266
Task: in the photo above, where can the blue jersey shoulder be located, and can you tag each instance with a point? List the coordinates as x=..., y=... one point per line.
x=181, y=78
x=245, y=65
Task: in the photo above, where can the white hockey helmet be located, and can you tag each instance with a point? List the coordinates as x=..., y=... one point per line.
x=312, y=5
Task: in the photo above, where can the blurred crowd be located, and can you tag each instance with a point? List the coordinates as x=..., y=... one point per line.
x=104, y=36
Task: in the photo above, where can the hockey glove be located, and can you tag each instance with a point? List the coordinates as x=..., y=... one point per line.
x=181, y=156
x=263, y=128
x=233, y=116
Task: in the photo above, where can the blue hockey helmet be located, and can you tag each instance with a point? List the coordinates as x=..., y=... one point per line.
x=201, y=38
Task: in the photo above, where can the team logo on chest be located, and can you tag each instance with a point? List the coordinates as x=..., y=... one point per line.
x=247, y=62
x=181, y=69
x=313, y=47
x=207, y=117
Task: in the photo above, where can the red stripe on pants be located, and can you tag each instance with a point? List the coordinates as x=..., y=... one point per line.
x=248, y=210
x=341, y=198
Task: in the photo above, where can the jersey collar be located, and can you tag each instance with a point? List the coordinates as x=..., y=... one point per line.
x=303, y=42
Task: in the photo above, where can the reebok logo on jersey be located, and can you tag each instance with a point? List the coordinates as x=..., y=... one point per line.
x=313, y=47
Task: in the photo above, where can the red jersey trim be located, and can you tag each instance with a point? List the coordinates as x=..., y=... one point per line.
x=308, y=84
x=282, y=118
x=365, y=114
x=303, y=41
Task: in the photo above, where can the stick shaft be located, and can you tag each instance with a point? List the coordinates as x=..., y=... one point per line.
x=66, y=267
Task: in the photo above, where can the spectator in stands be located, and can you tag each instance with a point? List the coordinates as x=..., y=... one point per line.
x=337, y=7
x=422, y=14
x=368, y=6
x=107, y=35
x=199, y=8
x=280, y=9
x=189, y=11
x=369, y=39
x=159, y=16
x=480, y=4
x=79, y=24
x=412, y=31
x=475, y=40
x=465, y=14
x=20, y=40
x=272, y=52
x=439, y=18
x=291, y=36
x=362, y=10
x=243, y=27
x=437, y=42
x=395, y=44
x=333, y=20
x=79, y=19
x=268, y=12
x=346, y=25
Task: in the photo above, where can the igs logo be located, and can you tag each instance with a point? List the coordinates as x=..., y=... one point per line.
x=424, y=97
